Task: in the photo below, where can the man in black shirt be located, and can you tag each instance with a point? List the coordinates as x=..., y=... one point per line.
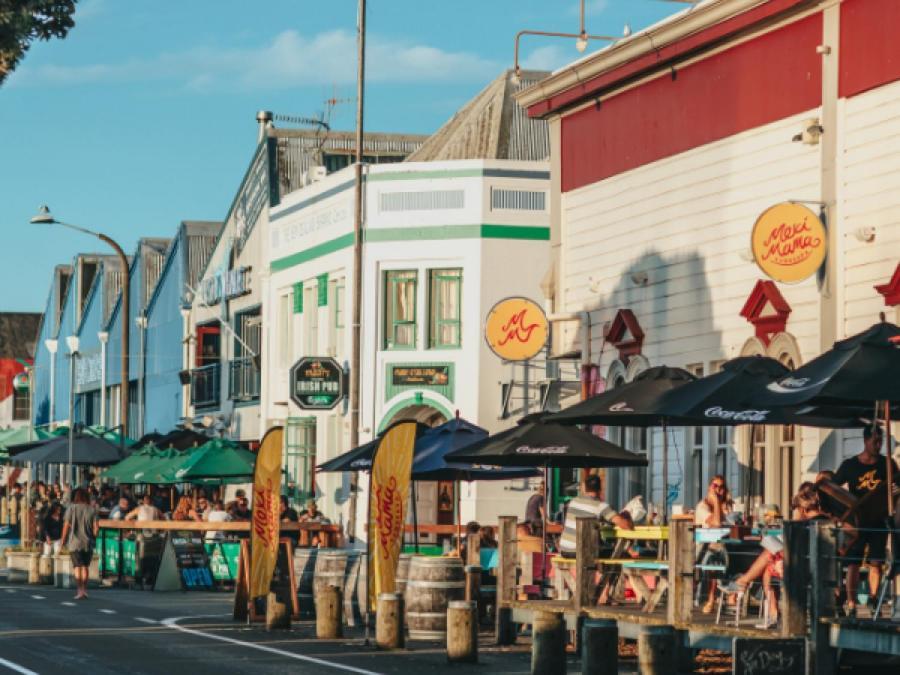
x=863, y=474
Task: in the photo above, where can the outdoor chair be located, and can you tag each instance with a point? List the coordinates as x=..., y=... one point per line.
x=741, y=602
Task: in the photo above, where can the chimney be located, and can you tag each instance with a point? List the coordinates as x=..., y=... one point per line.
x=264, y=119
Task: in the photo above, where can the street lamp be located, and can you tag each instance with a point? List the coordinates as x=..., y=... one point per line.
x=72, y=342
x=44, y=217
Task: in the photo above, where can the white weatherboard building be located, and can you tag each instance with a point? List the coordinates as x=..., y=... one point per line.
x=444, y=241
x=666, y=147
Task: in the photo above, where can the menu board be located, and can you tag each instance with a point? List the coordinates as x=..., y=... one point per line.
x=755, y=656
x=184, y=564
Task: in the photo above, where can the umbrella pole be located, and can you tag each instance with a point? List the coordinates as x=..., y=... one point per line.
x=458, y=520
x=890, y=458
x=369, y=562
x=415, y=516
x=665, y=474
x=544, y=522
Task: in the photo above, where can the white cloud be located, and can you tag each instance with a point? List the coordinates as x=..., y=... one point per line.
x=551, y=57
x=288, y=60
x=591, y=7
x=87, y=9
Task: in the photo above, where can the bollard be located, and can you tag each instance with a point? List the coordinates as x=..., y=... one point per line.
x=462, y=632
x=506, y=629
x=599, y=647
x=548, y=646
x=328, y=613
x=34, y=562
x=45, y=569
x=656, y=650
x=389, y=621
x=473, y=582
x=277, y=614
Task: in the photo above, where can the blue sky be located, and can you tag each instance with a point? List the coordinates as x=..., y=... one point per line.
x=144, y=115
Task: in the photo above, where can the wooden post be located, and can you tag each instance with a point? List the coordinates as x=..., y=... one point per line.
x=34, y=571
x=389, y=621
x=473, y=583
x=681, y=570
x=506, y=580
x=823, y=567
x=462, y=632
x=656, y=650
x=473, y=549
x=328, y=613
x=795, y=581
x=548, y=646
x=586, y=546
x=599, y=647
x=277, y=614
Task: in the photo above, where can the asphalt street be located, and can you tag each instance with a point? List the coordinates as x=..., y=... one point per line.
x=43, y=630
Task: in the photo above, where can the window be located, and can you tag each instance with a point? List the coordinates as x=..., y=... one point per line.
x=310, y=320
x=285, y=330
x=695, y=447
x=444, y=300
x=300, y=458
x=244, y=378
x=400, y=309
x=21, y=404
x=322, y=285
x=337, y=303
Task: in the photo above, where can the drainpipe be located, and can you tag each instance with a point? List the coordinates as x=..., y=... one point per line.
x=103, y=336
x=141, y=322
x=51, y=347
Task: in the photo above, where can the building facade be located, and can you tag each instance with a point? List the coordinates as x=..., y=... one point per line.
x=446, y=236
x=666, y=148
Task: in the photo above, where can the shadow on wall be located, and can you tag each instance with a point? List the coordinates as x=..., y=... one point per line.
x=671, y=300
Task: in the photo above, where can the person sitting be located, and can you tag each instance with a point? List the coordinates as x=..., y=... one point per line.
x=711, y=511
x=52, y=529
x=144, y=512
x=288, y=514
x=216, y=514
x=313, y=515
x=185, y=511
x=240, y=508
x=462, y=549
x=121, y=509
x=488, y=538
x=588, y=505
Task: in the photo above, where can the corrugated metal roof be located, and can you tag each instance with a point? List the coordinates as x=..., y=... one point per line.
x=491, y=126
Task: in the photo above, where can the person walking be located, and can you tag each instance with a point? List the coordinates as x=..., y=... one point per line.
x=80, y=529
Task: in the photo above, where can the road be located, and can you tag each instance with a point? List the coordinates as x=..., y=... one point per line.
x=43, y=630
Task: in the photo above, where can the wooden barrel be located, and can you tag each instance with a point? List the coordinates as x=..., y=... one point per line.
x=433, y=583
x=403, y=571
x=330, y=568
x=355, y=589
x=304, y=573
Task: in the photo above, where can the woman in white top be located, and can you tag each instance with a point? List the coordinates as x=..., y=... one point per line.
x=711, y=512
x=216, y=514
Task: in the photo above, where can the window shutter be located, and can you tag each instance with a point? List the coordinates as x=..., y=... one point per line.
x=298, y=297
x=322, y=283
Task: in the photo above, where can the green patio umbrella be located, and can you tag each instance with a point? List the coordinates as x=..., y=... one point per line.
x=138, y=461
x=114, y=435
x=216, y=459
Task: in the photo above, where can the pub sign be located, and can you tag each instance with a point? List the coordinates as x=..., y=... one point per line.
x=317, y=383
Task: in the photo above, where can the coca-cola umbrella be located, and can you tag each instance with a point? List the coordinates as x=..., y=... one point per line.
x=863, y=369
x=721, y=399
x=635, y=404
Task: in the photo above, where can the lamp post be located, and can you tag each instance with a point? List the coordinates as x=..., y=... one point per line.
x=73, y=343
x=44, y=217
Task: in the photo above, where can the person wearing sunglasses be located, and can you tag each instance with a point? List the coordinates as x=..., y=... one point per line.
x=711, y=511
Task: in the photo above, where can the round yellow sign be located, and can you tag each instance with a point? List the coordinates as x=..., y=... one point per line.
x=789, y=242
x=516, y=329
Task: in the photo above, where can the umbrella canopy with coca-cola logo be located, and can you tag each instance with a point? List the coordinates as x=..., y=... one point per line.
x=721, y=399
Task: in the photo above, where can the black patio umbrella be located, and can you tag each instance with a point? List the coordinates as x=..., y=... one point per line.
x=721, y=399
x=357, y=459
x=536, y=443
x=635, y=404
x=180, y=439
x=86, y=450
x=863, y=369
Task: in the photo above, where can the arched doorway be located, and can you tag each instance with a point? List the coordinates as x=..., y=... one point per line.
x=430, y=509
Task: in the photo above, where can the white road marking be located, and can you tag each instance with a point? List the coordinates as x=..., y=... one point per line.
x=143, y=620
x=16, y=667
x=68, y=604
x=173, y=623
x=10, y=590
x=38, y=597
x=107, y=611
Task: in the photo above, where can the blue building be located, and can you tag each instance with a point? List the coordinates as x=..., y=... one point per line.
x=83, y=315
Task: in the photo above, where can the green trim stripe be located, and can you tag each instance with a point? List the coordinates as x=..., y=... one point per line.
x=437, y=232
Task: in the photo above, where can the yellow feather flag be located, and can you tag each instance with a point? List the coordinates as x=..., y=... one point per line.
x=265, y=528
x=389, y=496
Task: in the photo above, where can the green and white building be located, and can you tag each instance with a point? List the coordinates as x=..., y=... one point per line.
x=458, y=226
